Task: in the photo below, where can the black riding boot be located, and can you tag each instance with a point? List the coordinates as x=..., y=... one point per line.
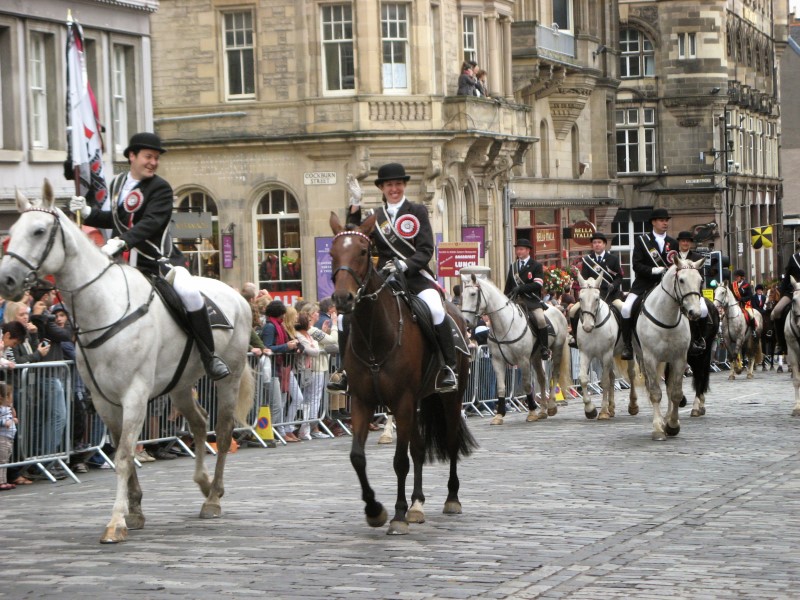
x=698, y=330
x=201, y=328
x=338, y=379
x=627, y=332
x=780, y=335
x=545, y=351
x=446, y=380
x=574, y=322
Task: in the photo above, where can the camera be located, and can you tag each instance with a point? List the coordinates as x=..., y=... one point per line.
x=45, y=342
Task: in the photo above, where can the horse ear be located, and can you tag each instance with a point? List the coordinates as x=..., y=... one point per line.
x=48, y=196
x=23, y=203
x=335, y=223
x=369, y=224
x=581, y=280
x=794, y=281
x=598, y=281
x=698, y=264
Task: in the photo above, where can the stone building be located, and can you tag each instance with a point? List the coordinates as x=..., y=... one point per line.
x=697, y=125
x=267, y=105
x=790, y=139
x=32, y=87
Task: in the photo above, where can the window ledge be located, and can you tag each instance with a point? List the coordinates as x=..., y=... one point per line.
x=14, y=156
x=47, y=156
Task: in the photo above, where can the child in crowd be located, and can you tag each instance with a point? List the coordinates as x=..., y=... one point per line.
x=8, y=431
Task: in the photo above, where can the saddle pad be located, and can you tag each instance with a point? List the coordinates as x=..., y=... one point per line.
x=215, y=315
x=422, y=314
x=550, y=329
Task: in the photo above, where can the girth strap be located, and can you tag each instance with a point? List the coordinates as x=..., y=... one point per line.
x=121, y=324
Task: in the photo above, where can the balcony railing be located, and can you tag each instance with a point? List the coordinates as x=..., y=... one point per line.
x=555, y=40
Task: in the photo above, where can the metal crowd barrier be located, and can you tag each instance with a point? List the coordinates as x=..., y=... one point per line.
x=43, y=399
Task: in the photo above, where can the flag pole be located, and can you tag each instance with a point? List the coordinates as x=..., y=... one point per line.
x=76, y=169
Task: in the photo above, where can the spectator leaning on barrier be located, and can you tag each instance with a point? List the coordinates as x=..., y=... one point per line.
x=8, y=431
x=312, y=370
x=276, y=339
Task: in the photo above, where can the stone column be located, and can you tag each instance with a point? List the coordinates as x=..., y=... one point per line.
x=507, y=79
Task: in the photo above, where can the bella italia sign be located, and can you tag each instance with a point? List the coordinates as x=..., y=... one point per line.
x=319, y=178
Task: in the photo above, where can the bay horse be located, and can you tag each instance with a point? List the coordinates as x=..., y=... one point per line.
x=768, y=340
x=740, y=337
x=104, y=299
x=391, y=362
x=663, y=337
x=598, y=337
x=512, y=342
x=791, y=330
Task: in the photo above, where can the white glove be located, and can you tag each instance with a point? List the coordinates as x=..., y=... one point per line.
x=391, y=268
x=658, y=270
x=354, y=189
x=113, y=247
x=78, y=204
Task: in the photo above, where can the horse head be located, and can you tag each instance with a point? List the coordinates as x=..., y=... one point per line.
x=687, y=282
x=32, y=249
x=795, y=302
x=352, y=263
x=589, y=300
x=473, y=297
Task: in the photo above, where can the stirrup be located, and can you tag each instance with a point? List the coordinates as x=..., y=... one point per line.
x=216, y=368
x=448, y=381
x=340, y=385
x=544, y=352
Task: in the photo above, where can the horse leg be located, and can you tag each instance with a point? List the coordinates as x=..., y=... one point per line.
x=125, y=424
x=416, y=514
x=527, y=385
x=589, y=408
x=633, y=397
x=456, y=432
x=499, y=369
x=699, y=405
x=405, y=425
x=538, y=366
x=387, y=436
x=653, y=384
x=607, y=382
x=360, y=418
x=674, y=393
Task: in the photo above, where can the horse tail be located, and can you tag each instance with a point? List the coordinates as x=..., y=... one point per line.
x=433, y=418
x=244, y=402
x=565, y=369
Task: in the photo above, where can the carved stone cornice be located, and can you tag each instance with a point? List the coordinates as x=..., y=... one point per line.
x=567, y=102
x=689, y=110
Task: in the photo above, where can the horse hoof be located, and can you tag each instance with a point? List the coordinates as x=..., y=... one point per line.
x=603, y=416
x=532, y=416
x=452, y=507
x=659, y=437
x=552, y=412
x=378, y=520
x=592, y=414
x=633, y=410
x=749, y=375
x=496, y=420
x=385, y=439
x=683, y=401
x=114, y=535
x=210, y=511
x=796, y=412
x=397, y=528
x=612, y=412
x=731, y=377
x=672, y=431
x=415, y=516
x=134, y=521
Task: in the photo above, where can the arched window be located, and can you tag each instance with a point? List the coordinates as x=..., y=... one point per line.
x=637, y=57
x=201, y=253
x=278, y=257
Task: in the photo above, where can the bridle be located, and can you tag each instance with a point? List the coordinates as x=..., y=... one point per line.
x=33, y=269
x=593, y=314
x=482, y=302
x=361, y=280
x=679, y=297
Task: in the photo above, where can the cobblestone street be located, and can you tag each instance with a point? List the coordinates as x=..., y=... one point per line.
x=561, y=508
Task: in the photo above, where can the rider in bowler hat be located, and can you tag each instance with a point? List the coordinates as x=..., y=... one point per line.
x=524, y=285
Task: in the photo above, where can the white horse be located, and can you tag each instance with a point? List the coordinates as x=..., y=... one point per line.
x=511, y=342
x=106, y=299
x=738, y=336
x=792, y=331
x=663, y=336
x=598, y=338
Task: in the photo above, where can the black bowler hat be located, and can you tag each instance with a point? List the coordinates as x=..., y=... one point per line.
x=685, y=235
x=522, y=242
x=391, y=172
x=659, y=213
x=759, y=287
x=144, y=140
x=599, y=235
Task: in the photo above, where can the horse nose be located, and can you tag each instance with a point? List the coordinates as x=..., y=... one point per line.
x=343, y=301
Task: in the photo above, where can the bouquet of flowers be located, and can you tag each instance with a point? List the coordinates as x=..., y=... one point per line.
x=557, y=279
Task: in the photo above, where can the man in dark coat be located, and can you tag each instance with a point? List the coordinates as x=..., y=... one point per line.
x=403, y=239
x=786, y=289
x=652, y=255
x=524, y=285
x=741, y=288
x=599, y=262
x=138, y=211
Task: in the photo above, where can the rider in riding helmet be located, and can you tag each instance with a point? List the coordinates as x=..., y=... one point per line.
x=524, y=285
x=403, y=238
x=138, y=209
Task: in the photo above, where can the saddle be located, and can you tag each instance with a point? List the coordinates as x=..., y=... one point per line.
x=175, y=307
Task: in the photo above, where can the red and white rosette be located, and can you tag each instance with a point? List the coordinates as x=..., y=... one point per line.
x=671, y=256
x=133, y=201
x=407, y=226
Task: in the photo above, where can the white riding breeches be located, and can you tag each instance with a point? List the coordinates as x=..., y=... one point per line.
x=703, y=308
x=434, y=301
x=626, y=308
x=187, y=288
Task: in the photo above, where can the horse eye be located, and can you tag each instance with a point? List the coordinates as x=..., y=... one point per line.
x=39, y=231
